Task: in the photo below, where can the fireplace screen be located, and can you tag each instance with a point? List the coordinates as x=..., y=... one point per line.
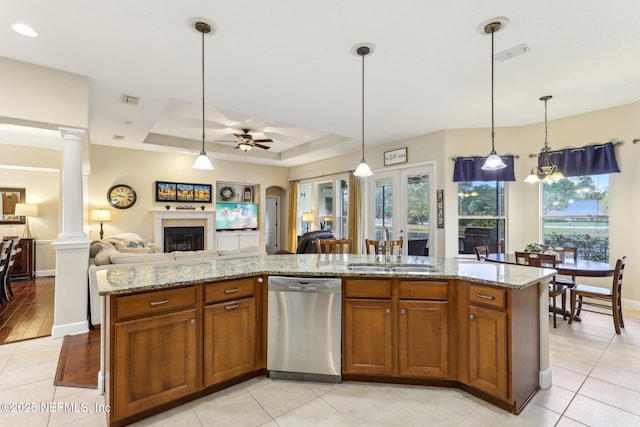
x=183, y=239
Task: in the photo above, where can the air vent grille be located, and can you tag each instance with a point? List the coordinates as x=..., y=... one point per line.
x=130, y=100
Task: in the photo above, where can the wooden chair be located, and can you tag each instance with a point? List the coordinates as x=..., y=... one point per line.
x=5, y=250
x=567, y=254
x=555, y=289
x=611, y=296
x=7, y=277
x=481, y=252
x=375, y=244
x=335, y=246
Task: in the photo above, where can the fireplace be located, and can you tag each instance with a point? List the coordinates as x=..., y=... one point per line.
x=183, y=239
x=163, y=218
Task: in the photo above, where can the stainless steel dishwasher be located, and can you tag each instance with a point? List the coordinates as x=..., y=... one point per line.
x=304, y=328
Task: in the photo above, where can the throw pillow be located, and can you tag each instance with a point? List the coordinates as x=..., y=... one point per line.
x=104, y=256
x=97, y=246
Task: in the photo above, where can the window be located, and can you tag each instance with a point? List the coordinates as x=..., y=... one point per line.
x=327, y=203
x=576, y=213
x=383, y=207
x=481, y=216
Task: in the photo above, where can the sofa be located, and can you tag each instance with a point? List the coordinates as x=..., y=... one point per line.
x=130, y=248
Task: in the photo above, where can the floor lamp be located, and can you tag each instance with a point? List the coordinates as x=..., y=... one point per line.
x=101, y=216
x=26, y=210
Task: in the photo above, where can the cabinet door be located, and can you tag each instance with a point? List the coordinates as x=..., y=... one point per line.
x=488, y=351
x=249, y=238
x=227, y=241
x=155, y=361
x=229, y=340
x=367, y=337
x=23, y=266
x=422, y=339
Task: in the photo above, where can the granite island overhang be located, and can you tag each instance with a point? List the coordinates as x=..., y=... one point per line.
x=465, y=275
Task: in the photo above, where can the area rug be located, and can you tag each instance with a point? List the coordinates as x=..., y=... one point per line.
x=79, y=360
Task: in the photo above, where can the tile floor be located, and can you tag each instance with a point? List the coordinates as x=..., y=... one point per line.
x=596, y=377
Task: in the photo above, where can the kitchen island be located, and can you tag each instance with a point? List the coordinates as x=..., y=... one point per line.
x=173, y=332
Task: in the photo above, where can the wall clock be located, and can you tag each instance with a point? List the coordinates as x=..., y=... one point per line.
x=121, y=196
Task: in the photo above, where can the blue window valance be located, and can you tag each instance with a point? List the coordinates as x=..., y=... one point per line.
x=594, y=159
x=467, y=169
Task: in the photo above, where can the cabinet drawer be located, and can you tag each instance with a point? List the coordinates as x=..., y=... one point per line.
x=423, y=289
x=492, y=297
x=154, y=302
x=232, y=289
x=367, y=288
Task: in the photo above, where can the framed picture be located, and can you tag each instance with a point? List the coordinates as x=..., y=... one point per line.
x=165, y=191
x=185, y=193
x=182, y=192
x=202, y=193
x=394, y=157
x=440, y=207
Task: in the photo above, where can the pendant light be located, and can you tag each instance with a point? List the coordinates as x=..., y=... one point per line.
x=549, y=170
x=363, y=168
x=203, y=162
x=493, y=162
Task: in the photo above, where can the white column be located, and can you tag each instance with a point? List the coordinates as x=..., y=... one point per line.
x=72, y=245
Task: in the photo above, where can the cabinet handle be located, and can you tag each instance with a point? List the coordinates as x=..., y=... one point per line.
x=388, y=310
x=472, y=316
x=260, y=280
x=485, y=296
x=231, y=307
x=231, y=291
x=192, y=321
x=403, y=311
x=154, y=303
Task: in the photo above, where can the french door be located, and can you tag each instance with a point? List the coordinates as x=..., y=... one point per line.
x=401, y=203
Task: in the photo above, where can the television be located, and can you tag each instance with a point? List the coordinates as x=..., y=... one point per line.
x=236, y=216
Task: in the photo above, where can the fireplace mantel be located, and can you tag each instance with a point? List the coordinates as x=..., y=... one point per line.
x=186, y=216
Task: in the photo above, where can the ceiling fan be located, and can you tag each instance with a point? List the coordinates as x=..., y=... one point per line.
x=246, y=141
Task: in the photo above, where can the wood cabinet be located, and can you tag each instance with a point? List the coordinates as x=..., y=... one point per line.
x=396, y=327
x=499, y=342
x=229, y=330
x=155, y=355
x=24, y=266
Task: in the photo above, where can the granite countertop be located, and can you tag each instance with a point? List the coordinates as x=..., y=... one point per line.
x=127, y=278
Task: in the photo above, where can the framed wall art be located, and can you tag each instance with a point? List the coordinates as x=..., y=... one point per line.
x=394, y=157
x=182, y=192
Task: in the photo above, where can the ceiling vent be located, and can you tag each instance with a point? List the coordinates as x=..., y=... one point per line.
x=119, y=137
x=130, y=100
x=511, y=53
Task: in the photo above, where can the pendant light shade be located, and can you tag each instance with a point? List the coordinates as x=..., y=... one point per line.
x=203, y=162
x=363, y=168
x=493, y=162
x=548, y=170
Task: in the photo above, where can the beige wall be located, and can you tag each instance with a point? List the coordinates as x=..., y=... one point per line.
x=140, y=170
x=620, y=123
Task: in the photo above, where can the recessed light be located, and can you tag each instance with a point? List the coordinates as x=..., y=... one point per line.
x=25, y=30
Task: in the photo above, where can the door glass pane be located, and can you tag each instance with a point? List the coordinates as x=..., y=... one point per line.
x=383, y=207
x=325, y=205
x=417, y=232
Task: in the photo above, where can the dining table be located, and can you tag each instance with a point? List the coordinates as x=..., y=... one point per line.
x=579, y=267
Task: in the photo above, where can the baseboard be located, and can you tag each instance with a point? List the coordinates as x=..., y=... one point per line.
x=545, y=379
x=46, y=273
x=630, y=304
x=59, y=331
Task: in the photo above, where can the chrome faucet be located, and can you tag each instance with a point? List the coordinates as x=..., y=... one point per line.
x=387, y=255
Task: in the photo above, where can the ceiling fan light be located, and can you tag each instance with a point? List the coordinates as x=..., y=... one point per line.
x=493, y=162
x=245, y=146
x=363, y=169
x=203, y=163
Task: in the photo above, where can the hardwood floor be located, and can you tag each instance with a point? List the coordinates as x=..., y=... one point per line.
x=79, y=361
x=29, y=314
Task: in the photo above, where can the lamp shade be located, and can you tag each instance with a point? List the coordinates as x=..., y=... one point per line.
x=307, y=216
x=26, y=209
x=101, y=215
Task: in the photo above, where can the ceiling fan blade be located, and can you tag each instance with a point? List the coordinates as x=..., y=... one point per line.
x=264, y=147
x=263, y=140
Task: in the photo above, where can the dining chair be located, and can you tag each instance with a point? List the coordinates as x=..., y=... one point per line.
x=555, y=289
x=5, y=250
x=481, y=252
x=336, y=246
x=522, y=257
x=608, y=298
x=572, y=251
x=375, y=244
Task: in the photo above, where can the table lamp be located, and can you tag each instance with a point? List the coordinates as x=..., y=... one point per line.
x=26, y=210
x=101, y=216
x=307, y=217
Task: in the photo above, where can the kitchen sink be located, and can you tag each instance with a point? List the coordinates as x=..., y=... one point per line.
x=393, y=268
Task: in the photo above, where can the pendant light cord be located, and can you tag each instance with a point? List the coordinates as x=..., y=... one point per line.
x=363, y=107
x=546, y=143
x=493, y=148
x=203, y=152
